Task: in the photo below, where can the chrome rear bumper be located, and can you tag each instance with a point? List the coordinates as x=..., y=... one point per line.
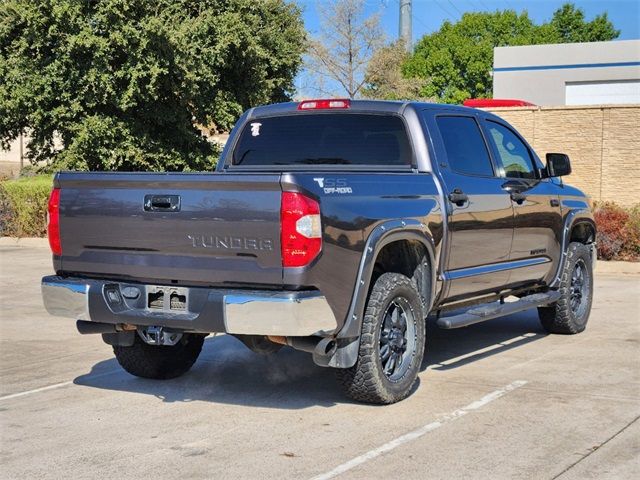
x=66, y=298
x=277, y=313
x=249, y=312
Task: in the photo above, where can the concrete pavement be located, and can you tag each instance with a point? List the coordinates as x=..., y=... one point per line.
x=68, y=411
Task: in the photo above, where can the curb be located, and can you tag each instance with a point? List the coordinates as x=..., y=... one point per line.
x=24, y=242
x=613, y=267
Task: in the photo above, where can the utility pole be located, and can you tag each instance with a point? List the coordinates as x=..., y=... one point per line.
x=21, y=151
x=404, y=29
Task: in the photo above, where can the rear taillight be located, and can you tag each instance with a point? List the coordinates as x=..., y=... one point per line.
x=53, y=222
x=301, y=233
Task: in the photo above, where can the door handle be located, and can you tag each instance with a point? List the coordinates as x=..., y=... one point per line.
x=515, y=189
x=162, y=203
x=518, y=197
x=458, y=197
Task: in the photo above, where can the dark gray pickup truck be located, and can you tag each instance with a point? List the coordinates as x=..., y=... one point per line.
x=332, y=226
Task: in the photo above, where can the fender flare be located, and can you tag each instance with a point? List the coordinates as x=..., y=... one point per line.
x=573, y=218
x=390, y=231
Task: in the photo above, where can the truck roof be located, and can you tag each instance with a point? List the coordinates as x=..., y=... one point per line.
x=382, y=106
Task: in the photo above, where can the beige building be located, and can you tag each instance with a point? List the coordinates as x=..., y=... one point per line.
x=602, y=142
x=569, y=74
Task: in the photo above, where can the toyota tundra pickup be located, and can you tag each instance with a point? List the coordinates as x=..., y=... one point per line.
x=335, y=227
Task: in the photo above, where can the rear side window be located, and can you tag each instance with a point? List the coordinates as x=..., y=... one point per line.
x=324, y=139
x=466, y=151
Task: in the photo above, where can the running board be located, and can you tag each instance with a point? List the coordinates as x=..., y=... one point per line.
x=495, y=310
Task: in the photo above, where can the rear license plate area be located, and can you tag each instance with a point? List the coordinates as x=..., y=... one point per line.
x=168, y=299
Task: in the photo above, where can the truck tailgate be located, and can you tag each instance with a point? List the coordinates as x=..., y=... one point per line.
x=215, y=229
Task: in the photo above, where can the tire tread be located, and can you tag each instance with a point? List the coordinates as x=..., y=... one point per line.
x=363, y=381
x=160, y=362
x=558, y=317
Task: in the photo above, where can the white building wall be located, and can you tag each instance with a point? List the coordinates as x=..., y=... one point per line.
x=609, y=92
x=543, y=74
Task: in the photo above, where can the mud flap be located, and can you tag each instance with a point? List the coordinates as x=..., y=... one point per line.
x=345, y=355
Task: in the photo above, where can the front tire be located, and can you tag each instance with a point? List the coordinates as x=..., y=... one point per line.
x=160, y=362
x=391, y=344
x=570, y=314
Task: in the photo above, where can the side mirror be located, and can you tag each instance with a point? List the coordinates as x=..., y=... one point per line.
x=558, y=165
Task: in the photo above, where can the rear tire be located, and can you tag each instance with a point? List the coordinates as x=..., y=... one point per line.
x=393, y=328
x=160, y=362
x=570, y=314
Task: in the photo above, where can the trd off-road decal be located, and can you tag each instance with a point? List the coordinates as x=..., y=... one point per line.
x=333, y=185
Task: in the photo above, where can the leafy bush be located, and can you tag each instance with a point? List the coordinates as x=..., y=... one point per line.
x=23, y=206
x=125, y=84
x=618, y=232
x=633, y=232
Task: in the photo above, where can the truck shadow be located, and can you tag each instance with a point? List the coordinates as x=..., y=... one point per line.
x=227, y=372
x=449, y=349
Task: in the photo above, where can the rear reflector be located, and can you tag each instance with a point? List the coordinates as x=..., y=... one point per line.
x=301, y=232
x=53, y=222
x=325, y=103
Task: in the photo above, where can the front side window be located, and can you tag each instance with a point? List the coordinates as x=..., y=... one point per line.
x=466, y=151
x=324, y=139
x=513, y=154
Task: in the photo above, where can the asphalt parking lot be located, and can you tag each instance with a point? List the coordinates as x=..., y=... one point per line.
x=495, y=400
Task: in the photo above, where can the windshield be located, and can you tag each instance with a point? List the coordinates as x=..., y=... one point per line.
x=324, y=139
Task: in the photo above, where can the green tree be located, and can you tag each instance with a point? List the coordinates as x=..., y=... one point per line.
x=568, y=25
x=125, y=84
x=456, y=61
x=384, y=79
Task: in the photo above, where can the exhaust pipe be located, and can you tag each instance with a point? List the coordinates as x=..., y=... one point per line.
x=306, y=344
x=323, y=347
x=89, y=328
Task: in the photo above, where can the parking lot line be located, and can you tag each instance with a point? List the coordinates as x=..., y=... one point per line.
x=419, y=432
x=490, y=348
x=55, y=385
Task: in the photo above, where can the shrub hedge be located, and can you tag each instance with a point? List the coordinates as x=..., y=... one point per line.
x=23, y=206
x=618, y=231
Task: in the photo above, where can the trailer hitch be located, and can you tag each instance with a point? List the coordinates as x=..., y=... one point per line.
x=155, y=335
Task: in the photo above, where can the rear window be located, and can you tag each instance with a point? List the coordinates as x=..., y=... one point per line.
x=324, y=139
x=466, y=151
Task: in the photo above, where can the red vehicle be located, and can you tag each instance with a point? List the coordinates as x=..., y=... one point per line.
x=495, y=102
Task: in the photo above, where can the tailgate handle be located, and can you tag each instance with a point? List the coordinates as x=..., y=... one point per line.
x=162, y=203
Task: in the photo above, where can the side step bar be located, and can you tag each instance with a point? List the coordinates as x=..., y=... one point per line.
x=495, y=310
